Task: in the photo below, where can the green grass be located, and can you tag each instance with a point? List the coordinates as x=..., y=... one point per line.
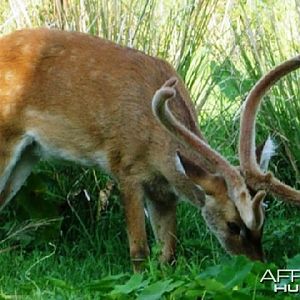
x=80, y=274
x=64, y=238
x=75, y=262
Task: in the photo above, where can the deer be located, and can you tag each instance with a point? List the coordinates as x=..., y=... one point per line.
x=77, y=97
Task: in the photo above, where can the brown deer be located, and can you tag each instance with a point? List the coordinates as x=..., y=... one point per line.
x=84, y=99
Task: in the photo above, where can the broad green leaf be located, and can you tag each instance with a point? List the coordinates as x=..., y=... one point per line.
x=134, y=283
x=105, y=284
x=230, y=81
x=211, y=271
x=237, y=275
x=155, y=290
x=212, y=285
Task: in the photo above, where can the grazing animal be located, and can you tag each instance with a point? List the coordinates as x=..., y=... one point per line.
x=84, y=99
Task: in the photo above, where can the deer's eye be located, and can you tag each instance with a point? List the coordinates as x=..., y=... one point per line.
x=234, y=228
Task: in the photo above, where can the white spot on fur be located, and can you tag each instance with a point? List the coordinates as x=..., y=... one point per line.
x=268, y=152
x=4, y=92
x=27, y=49
x=8, y=109
x=9, y=76
x=11, y=90
x=18, y=88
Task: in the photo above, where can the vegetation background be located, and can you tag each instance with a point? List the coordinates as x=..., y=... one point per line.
x=64, y=236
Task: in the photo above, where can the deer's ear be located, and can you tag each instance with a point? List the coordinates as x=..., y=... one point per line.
x=187, y=166
x=264, y=153
x=210, y=183
x=258, y=210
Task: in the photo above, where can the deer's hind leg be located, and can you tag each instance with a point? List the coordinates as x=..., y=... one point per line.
x=18, y=156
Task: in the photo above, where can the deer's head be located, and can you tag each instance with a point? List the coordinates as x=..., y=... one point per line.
x=233, y=208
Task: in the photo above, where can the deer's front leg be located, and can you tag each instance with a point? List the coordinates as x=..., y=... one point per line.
x=135, y=219
x=163, y=222
x=161, y=205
